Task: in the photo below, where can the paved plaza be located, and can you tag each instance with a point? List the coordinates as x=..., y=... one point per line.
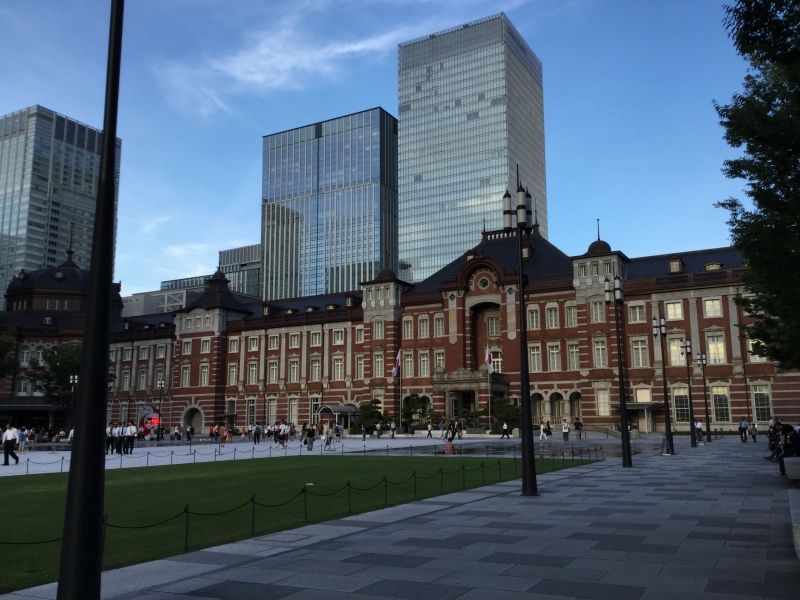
x=711, y=522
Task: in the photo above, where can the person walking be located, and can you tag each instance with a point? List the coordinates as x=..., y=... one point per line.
x=743, y=428
x=578, y=425
x=753, y=431
x=430, y=430
x=505, y=431
x=565, y=429
x=9, y=441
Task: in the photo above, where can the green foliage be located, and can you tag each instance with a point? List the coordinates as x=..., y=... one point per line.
x=504, y=411
x=52, y=375
x=414, y=409
x=763, y=120
x=7, y=361
x=369, y=413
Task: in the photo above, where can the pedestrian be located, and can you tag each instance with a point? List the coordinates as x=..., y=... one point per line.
x=363, y=432
x=578, y=425
x=565, y=429
x=9, y=441
x=753, y=431
x=430, y=430
x=698, y=427
x=442, y=427
x=505, y=431
x=393, y=427
x=310, y=438
x=130, y=436
x=110, y=439
x=543, y=431
x=743, y=427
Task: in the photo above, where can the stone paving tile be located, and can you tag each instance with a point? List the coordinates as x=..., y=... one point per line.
x=624, y=525
x=596, y=591
x=764, y=590
x=498, y=583
x=204, y=557
x=389, y=560
x=413, y=590
x=236, y=590
x=531, y=560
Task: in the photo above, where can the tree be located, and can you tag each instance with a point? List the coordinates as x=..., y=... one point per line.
x=52, y=375
x=370, y=413
x=413, y=406
x=7, y=361
x=764, y=120
x=504, y=411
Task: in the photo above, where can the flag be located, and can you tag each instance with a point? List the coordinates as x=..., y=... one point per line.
x=396, y=367
x=487, y=358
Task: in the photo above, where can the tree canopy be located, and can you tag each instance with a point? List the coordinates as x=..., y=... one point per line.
x=52, y=375
x=764, y=121
x=6, y=356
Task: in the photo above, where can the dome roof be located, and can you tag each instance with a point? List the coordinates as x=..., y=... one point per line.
x=67, y=277
x=599, y=247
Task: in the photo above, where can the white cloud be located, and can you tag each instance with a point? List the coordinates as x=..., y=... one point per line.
x=152, y=224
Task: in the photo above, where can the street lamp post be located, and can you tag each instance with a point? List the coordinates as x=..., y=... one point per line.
x=702, y=360
x=159, y=430
x=73, y=383
x=618, y=297
x=686, y=347
x=524, y=226
x=660, y=332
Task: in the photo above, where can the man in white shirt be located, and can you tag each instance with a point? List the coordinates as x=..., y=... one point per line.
x=9, y=441
x=130, y=436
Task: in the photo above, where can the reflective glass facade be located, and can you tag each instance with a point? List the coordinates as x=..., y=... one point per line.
x=49, y=173
x=329, y=212
x=470, y=107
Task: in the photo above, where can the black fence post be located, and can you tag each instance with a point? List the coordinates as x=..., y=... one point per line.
x=463, y=477
x=171, y=454
x=186, y=529
x=62, y=464
x=349, y=500
x=385, y=491
x=194, y=456
x=253, y=514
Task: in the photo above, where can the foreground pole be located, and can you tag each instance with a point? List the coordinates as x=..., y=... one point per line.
x=82, y=543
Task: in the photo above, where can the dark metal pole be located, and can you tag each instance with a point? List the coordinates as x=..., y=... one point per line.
x=703, y=361
x=660, y=329
x=687, y=346
x=529, y=487
x=82, y=545
x=627, y=461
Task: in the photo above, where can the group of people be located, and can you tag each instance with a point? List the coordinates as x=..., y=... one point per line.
x=546, y=430
x=783, y=440
x=120, y=438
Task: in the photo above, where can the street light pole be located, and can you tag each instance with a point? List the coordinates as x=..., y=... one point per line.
x=73, y=383
x=619, y=299
x=686, y=346
x=702, y=360
x=529, y=486
x=160, y=430
x=660, y=331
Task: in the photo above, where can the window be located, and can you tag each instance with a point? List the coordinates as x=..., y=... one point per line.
x=722, y=408
x=185, y=370
x=639, y=357
x=316, y=339
x=675, y=265
x=595, y=269
x=187, y=322
x=761, y=404
x=551, y=317
x=294, y=340
x=674, y=347
x=573, y=356
x=205, y=346
x=24, y=357
x=535, y=358
x=680, y=400
x=338, y=368
x=294, y=370
x=315, y=402
x=272, y=372
x=207, y=320
x=359, y=335
x=754, y=358
x=597, y=311
x=497, y=361
x=144, y=352
x=338, y=337
x=292, y=410
x=408, y=329
x=439, y=359
x=599, y=353
x=377, y=330
x=571, y=315
x=23, y=386
x=160, y=378
x=438, y=326
x=636, y=313
x=642, y=395
x=197, y=321
x=112, y=356
x=123, y=412
x=273, y=342
x=712, y=307
x=603, y=402
x=359, y=366
x=424, y=364
x=533, y=318
x=126, y=353
x=674, y=310
x=252, y=342
x=161, y=351
x=408, y=364
x=271, y=410
x=422, y=327
x=553, y=357
x=316, y=369
x=126, y=381
x=233, y=345
x=252, y=373
x=251, y=411
x=715, y=347
x=378, y=365
x=203, y=375
x=233, y=374
x=582, y=270
x=607, y=268
x=493, y=326
x=187, y=347
x=142, y=385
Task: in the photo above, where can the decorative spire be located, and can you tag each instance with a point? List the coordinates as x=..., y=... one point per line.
x=598, y=229
x=69, y=262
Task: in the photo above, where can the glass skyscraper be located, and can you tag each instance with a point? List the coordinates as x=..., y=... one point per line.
x=470, y=108
x=49, y=173
x=329, y=211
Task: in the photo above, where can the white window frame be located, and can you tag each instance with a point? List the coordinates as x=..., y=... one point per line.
x=573, y=356
x=554, y=356
x=640, y=353
x=600, y=352
x=673, y=310
x=570, y=315
x=252, y=373
x=438, y=325
x=637, y=313
x=252, y=343
x=205, y=345
x=294, y=339
x=315, y=339
x=535, y=358
x=233, y=344
x=597, y=311
x=551, y=317
x=423, y=330
x=337, y=338
x=715, y=348
x=712, y=307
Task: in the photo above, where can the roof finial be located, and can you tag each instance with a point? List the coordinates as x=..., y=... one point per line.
x=484, y=224
x=598, y=229
x=519, y=185
x=69, y=250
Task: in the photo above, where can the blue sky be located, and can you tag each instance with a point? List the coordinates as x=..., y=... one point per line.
x=631, y=134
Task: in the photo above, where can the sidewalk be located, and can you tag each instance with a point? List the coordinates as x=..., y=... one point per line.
x=709, y=523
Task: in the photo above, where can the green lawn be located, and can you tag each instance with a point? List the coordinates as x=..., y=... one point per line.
x=146, y=508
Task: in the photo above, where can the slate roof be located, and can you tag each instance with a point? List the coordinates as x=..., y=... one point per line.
x=693, y=262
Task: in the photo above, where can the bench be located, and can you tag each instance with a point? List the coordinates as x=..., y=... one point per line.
x=792, y=465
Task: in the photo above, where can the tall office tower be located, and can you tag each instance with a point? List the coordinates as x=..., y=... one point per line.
x=49, y=174
x=242, y=269
x=471, y=110
x=329, y=212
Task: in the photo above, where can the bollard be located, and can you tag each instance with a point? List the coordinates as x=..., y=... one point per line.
x=253, y=452
x=234, y=454
x=365, y=450
x=120, y=461
x=215, y=455
x=147, y=459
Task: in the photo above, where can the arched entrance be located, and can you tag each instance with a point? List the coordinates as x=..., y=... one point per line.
x=575, y=404
x=557, y=405
x=541, y=411
x=192, y=417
